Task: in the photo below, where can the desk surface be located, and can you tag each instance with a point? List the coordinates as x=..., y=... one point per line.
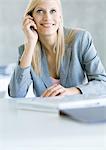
x=30, y=130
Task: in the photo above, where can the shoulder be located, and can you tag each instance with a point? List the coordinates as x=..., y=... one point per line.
x=81, y=43
x=77, y=36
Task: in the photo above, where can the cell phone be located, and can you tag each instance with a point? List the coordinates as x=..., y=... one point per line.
x=31, y=27
x=30, y=13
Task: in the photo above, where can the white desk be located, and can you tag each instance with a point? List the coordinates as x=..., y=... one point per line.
x=31, y=130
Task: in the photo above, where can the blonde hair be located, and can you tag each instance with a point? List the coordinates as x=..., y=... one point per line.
x=59, y=48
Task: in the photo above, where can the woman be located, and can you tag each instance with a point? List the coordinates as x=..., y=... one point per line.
x=58, y=61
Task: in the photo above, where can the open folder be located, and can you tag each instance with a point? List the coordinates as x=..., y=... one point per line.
x=79, y=107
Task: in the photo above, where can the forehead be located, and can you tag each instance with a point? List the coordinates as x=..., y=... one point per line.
x=48, y=3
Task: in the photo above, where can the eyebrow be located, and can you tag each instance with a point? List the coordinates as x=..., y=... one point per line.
x=44, y=8
x=39, y=8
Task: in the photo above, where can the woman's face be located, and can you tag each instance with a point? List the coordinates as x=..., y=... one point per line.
x=47, y=17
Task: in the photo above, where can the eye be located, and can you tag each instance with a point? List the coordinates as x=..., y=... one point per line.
x=52, y=11
x=39, y=11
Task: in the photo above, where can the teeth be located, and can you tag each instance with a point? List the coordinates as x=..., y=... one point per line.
x=47, y=25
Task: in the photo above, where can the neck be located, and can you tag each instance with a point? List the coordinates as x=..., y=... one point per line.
x=48, y=42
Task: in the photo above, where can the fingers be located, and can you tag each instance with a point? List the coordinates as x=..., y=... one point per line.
x=29, y=22
x=28, y=17
x=59, y=90
x=54, y=90
x=48, y=90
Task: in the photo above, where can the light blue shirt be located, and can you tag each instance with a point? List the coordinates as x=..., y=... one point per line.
x=81, y=68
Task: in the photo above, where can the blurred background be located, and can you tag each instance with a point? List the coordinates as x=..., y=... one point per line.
x=87, y=14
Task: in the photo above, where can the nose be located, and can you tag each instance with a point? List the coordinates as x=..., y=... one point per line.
x=47, y=16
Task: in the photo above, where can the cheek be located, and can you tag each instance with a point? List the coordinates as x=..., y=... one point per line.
x=58, y=21
x=58, y=18
x=36, y=19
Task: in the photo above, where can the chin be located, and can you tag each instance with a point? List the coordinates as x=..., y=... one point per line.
x=48, y=31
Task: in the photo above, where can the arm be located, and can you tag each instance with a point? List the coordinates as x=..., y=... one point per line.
x=20, y=82
x=21, y=78
x=93, y=68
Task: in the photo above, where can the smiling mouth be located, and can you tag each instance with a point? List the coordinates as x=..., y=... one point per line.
x=47, y=25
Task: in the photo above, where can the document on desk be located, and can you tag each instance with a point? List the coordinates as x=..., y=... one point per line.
x=55, y=104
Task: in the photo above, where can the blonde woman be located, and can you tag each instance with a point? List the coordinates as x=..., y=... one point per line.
x=58, y=61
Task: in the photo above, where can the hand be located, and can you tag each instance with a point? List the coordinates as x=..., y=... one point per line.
x=30, y=30
x=59, y=90
x=31, y=37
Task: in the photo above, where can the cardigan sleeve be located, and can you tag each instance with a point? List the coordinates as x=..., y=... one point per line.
x=20, y=80
x=92, y=66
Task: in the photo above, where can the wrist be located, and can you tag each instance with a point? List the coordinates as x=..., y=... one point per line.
x=75, y=90
x=78, y=91
x=30, y=45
